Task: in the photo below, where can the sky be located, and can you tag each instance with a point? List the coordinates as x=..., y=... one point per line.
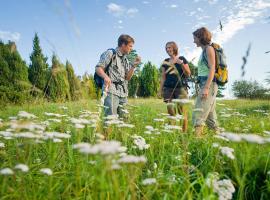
x=79, y=31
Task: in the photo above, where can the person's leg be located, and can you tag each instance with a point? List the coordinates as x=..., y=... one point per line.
x=211, y=120
x=121, y=110
x=201, y=111
x=168, y=95
x=183, y=94
x=111, y=103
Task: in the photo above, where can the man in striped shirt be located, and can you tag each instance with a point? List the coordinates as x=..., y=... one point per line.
x=117, y=75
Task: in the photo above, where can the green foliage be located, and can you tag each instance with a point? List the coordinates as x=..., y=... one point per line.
x=249, y=89
x=58, y=86
x=74, y=83
x=133, y=84
x=220, y=90
x=88, y=87
x=14, y=84
x=149, y=80
x=38, y=68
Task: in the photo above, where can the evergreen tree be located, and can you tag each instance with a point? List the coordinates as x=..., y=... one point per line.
x=14, y=83
x=74, y=82
x=38, y=69
x=58, y=86
x=149, y=80
x=133, y=84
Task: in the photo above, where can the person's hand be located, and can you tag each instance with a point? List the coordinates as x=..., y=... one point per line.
x=107, y=81
x=137, y=61
x=204, y=93
x=179, y=61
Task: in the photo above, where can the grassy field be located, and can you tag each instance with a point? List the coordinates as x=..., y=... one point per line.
x=57, y=151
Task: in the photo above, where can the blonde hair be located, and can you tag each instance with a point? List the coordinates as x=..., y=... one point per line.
x=174, y=46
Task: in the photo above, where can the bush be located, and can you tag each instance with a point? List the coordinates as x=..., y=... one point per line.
x=249, y=89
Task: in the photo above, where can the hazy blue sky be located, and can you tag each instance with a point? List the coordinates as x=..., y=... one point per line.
x=81, y=30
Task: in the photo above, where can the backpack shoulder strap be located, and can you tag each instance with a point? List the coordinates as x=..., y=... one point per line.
x=113, y=57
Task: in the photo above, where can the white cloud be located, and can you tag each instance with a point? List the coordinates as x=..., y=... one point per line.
x=7, y=35
x=115, y=9
x=119, y=10
x=145, y=2
x=244, y=13
x=174, y=6
x=132, y=11
x=248, y=13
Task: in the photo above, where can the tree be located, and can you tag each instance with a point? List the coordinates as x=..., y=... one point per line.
x=38, y=68
x=268, y=78
x=149, y=80
x=14, y=83
x=220, y=90
x=248, y=89
x=74, y=82
x=58, y=86
x=133, y=84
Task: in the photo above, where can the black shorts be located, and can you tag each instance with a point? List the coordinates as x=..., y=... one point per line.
x=174, y=93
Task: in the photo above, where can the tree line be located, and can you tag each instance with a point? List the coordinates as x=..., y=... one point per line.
x=20, y=83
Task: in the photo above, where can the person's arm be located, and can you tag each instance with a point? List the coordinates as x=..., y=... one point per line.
x=102, y=74
x=104, y=61
x=132, y=69
x=210, y=54
x=184, y=64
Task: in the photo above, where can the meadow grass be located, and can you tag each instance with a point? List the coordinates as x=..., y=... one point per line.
x=177, y=166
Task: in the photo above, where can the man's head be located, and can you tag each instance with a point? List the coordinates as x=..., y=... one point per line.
x=125, y=43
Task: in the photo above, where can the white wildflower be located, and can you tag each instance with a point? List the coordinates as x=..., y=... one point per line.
x=266, y=132
x=172, y=127
x=228, y=152
x=54, y=114
x=63, y=107
x=54, y=120
x=215, y=145
x=158, y=120
x=6, y=171
x=231, y=136
x=22, y=167
x=24, y=114
x=46, y=171
x=56, y=135
x=126, y=125
x=149, y=181
x=104, y=147
x=28, y=135
x=221, y=137
x=2, y=145
x=132, y=159
x=150, y=128
x=252, y=138
x=140, y=142
x=115, y=166
x=56, y=140
x=79, y=126
x=226, y=115
x=148, y=132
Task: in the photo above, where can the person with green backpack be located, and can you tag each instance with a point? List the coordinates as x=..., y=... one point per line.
x=113, y=71
x=210, y=74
